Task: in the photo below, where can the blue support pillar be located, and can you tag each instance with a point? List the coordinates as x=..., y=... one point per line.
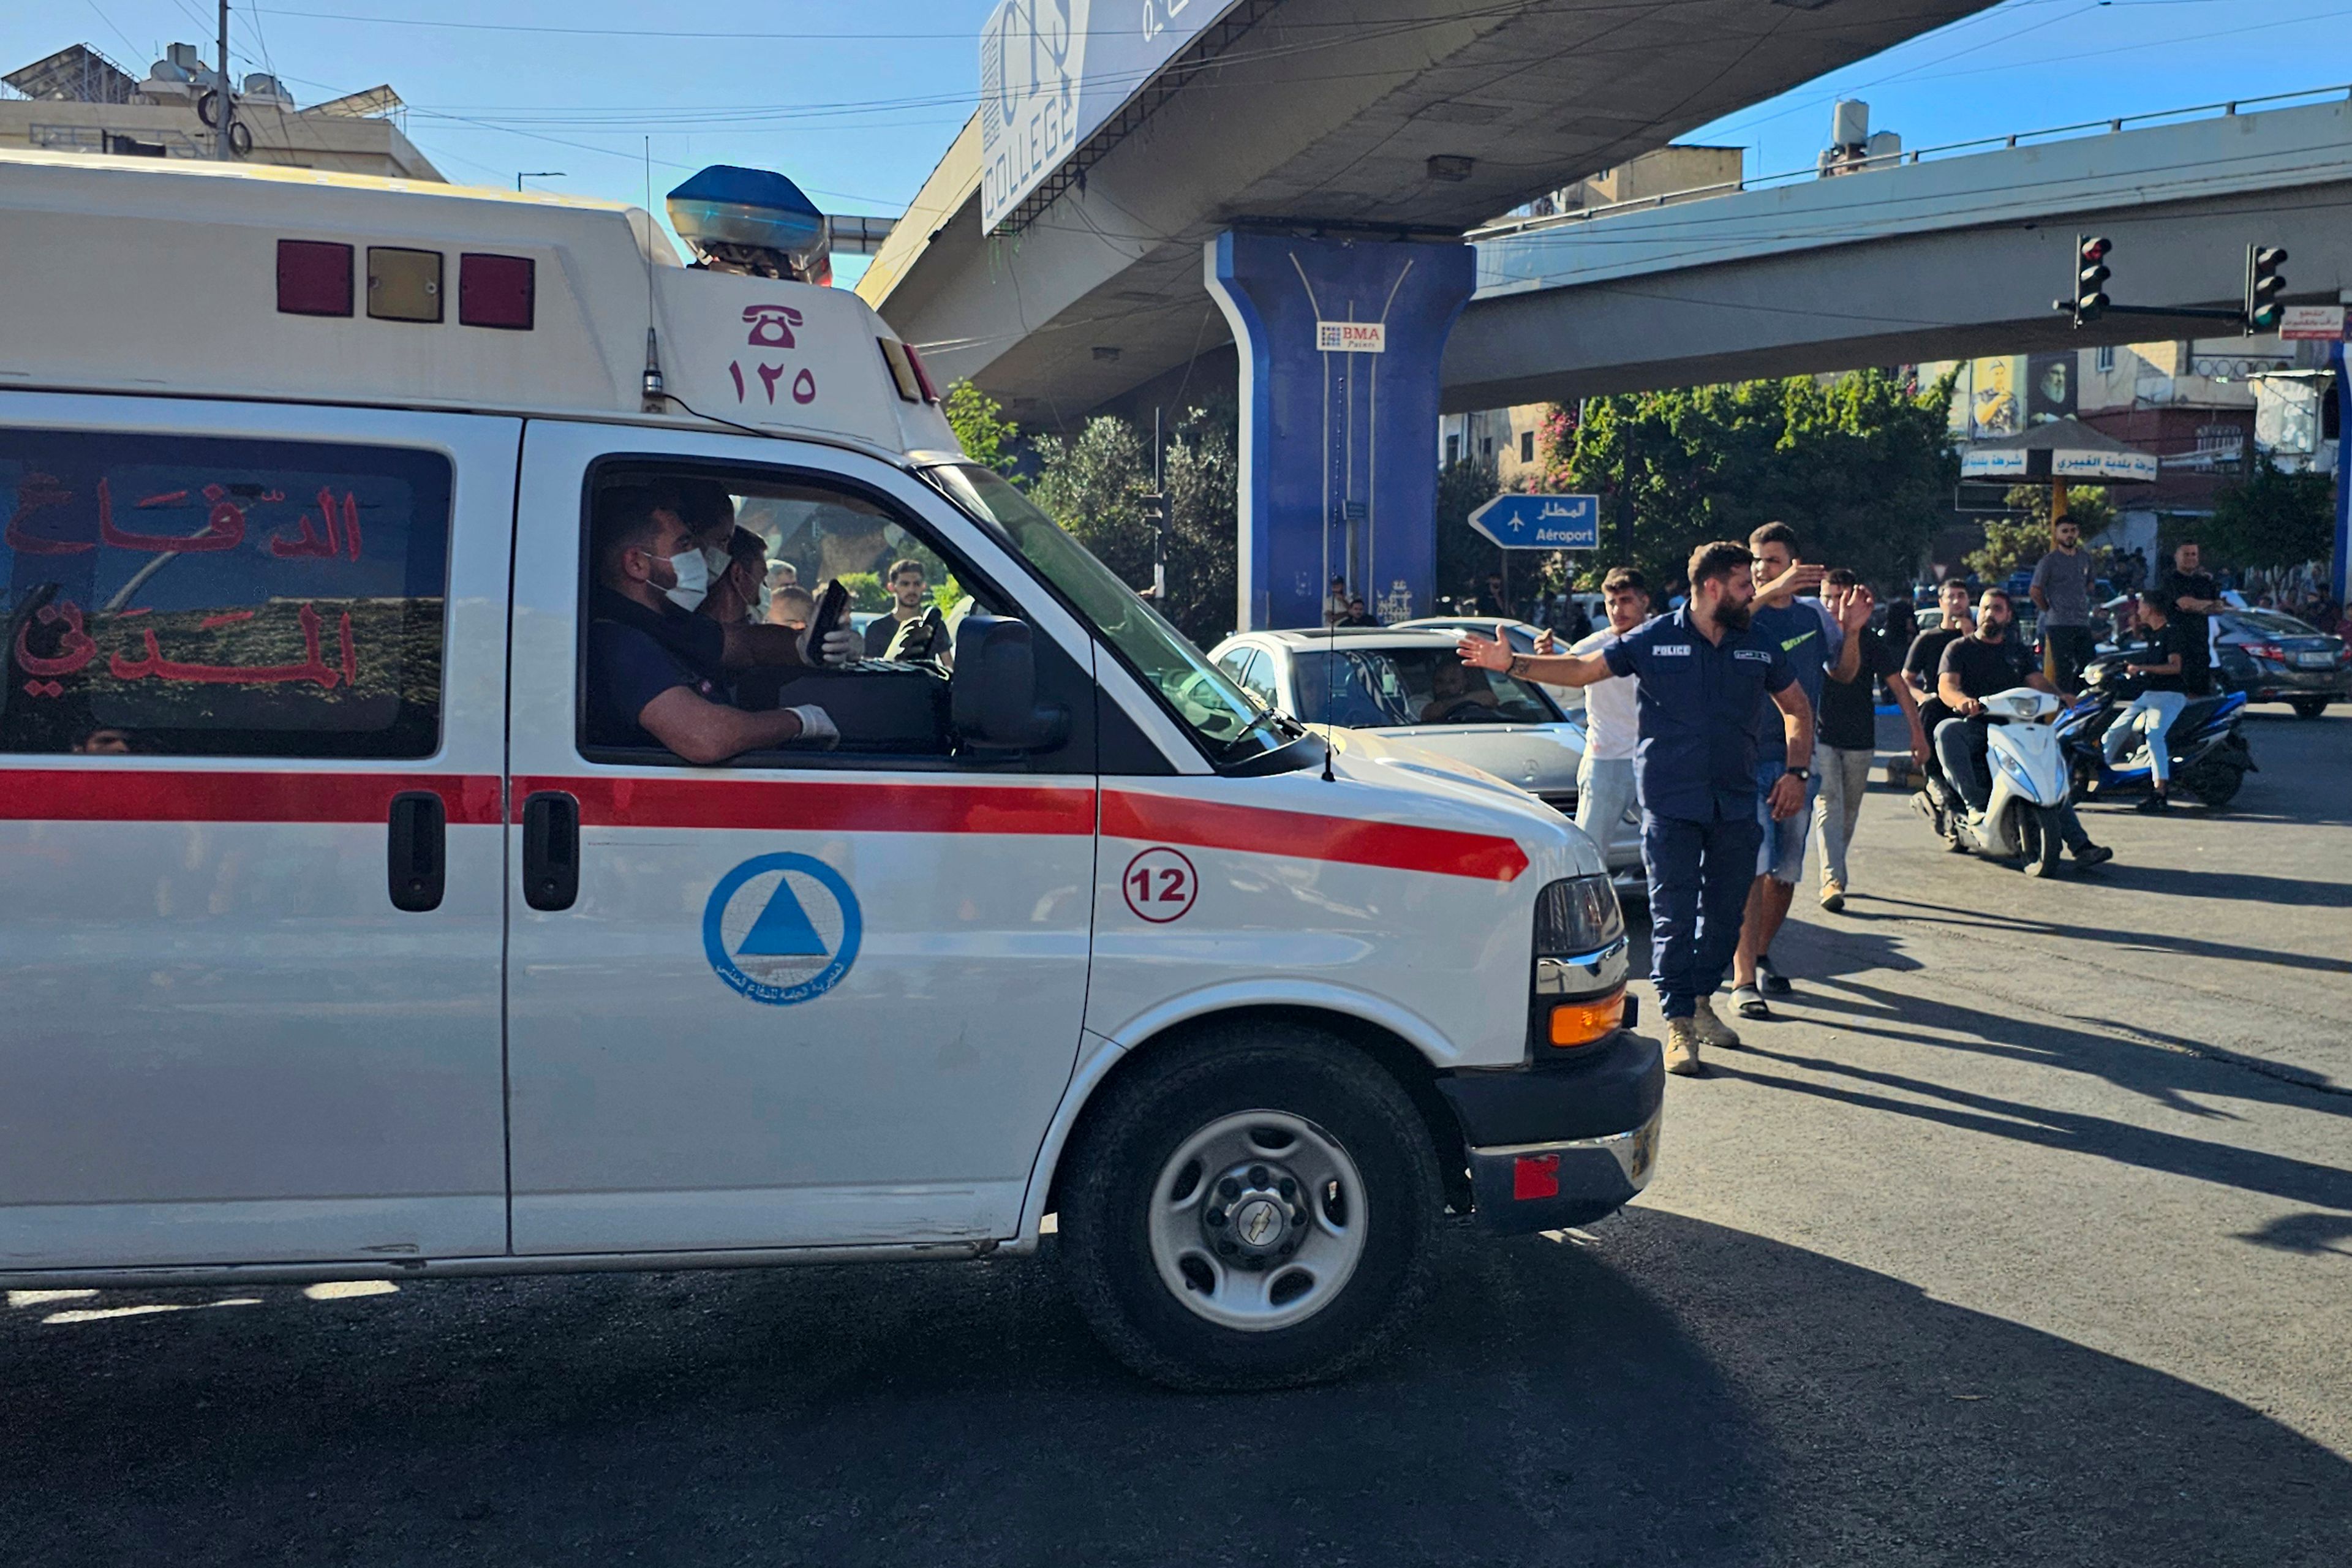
x=1338, y=440
x=2341, y=573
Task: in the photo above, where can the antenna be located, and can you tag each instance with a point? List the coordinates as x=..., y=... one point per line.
x=1330, y=669
x=656, y=394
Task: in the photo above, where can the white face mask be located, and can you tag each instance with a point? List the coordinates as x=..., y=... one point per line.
x=717, y=560
x=693, y=579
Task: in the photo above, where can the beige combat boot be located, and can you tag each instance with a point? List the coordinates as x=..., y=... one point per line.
x=1713, y=1030
x=1682, y=1049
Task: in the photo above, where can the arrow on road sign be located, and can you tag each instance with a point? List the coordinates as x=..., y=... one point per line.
x=1540, y=522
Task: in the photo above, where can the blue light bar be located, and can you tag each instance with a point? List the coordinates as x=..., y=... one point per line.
x=755, y=221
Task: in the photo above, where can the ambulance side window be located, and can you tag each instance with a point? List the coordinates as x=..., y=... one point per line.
x=200, y=596
x=792, y=534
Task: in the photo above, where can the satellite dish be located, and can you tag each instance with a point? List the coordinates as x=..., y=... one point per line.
x=753, y=221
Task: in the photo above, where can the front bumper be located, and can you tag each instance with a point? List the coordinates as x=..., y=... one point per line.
x=1557, y=1145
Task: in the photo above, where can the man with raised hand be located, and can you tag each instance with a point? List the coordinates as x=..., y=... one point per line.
x=1700, y=675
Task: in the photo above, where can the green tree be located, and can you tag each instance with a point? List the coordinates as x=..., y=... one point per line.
x=1464, y=556
x=2023, y=537
x=981, y=427
x=1094, y=484
x=2272, y=518
x=1861, y=466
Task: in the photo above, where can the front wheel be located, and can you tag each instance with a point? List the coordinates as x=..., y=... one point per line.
x=1252, y=1209
x=2309, y=707
x=2040, y=838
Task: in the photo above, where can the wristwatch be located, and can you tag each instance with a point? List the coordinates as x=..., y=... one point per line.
x=1805, y=773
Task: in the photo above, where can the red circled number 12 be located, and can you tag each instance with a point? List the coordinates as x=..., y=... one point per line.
x=1160, y=885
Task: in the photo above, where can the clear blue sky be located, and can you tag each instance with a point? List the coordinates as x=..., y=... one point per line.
x=856, y=99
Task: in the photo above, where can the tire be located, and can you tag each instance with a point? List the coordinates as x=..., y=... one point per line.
x=2039, y=838
x=2214, y=784
x=2308, y=707
x=1131, y=1222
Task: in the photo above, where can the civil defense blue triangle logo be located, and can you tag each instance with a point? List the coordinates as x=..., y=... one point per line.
x=781, y=929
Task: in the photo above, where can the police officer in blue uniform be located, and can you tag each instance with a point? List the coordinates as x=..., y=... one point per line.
x=1702, y=673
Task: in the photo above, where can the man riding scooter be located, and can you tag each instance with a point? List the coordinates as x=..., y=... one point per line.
x=1985, y=662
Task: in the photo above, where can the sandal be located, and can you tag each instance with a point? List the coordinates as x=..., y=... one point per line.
x=1749, y=1002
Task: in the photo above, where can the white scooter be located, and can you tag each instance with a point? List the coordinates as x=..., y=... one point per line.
x=2026, y=813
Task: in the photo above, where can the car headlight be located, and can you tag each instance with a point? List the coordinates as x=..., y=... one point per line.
x=1577, y=915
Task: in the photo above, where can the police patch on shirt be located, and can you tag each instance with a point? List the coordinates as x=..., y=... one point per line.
x=1760, y=656
x=1659, y=650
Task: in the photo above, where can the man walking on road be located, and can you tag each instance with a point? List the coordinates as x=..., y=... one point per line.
x=2061, y=592
x=1700, y=675
x=1849, y=740
x=1818, y=647
x=1604, y=779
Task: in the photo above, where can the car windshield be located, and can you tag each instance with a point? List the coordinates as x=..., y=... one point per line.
x=2271, y=621
x=1394, y=688
x=1231, y=725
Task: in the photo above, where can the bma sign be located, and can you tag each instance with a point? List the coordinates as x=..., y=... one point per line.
x=1053, y=72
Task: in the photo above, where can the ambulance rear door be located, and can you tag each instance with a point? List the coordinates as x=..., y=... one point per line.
x=251, y=741
x=804, y=999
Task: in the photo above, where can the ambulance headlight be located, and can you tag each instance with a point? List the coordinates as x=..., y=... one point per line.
x=1576, y=916
x=753, y=221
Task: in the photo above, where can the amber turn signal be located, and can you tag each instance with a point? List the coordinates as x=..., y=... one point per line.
x=1577, y=1024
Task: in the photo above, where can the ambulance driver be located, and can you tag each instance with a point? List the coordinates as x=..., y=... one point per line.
x=656, y=669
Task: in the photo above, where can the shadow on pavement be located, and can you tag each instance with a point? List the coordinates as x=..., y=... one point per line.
x=1858, y=907
x=1674, y=1391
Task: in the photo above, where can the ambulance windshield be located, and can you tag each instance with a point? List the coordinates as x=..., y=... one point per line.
x=1230, y=723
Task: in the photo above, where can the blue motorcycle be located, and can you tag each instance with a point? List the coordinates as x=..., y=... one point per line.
x=2210, y=757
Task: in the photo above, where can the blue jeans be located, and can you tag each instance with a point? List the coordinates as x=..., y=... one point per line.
x=2152, y=712
x=1781, y=856
x=1699, y=877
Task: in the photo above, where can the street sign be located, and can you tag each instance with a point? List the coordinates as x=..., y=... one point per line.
x=1351, y=337
x=2321, y=324
x=1540, y=522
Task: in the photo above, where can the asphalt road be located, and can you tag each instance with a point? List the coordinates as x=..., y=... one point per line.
x=2024, y=1236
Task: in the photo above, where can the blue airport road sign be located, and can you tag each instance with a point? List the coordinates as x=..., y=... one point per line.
x=1542, y=522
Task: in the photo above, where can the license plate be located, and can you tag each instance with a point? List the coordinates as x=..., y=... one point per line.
x=2313, y=660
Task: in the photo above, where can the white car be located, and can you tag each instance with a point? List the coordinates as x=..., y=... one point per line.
x=1407, y=685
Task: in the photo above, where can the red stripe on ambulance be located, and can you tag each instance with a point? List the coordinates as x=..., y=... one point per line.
x=1171, y=819
x=180, y=795
x=820, y=805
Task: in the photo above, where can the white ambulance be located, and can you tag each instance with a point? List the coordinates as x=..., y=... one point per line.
x=335, y=943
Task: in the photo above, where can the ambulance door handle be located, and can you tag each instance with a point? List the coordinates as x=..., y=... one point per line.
x=416, y=851
x=551, y=850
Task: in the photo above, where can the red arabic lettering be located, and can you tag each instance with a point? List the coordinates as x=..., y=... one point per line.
x=313, y=668
x=76, y=646
x=166, y=499
x=224, y=527
x=351, y=527
x=36, y=492
x=226, y=618
x=804, y=387
x=772, y=325
x=311, y=542
x=350, y=654
x=735, y=371
x=768, y=375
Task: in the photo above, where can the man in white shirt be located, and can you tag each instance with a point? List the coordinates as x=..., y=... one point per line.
x=1604, y=779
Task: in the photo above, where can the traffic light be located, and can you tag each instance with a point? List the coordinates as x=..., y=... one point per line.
x=2263, y=285
x=2090, y=301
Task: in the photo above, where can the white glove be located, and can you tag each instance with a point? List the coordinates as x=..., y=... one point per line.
x=816, y=726
x=842, y=646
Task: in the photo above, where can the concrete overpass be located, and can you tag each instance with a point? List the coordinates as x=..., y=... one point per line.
x=1942, y=259
x=1411, y=118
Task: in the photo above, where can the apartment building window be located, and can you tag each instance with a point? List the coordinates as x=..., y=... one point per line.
x=1487, y=447
x=1453, y=450
x=1527, y=446
x=2104, y=359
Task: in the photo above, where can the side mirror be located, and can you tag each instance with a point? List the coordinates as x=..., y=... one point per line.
x=992, y=693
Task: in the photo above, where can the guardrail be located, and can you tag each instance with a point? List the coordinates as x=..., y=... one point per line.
x=1976, y=146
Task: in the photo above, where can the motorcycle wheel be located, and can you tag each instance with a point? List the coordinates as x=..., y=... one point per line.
x=2039, y=838
x=2214, y=784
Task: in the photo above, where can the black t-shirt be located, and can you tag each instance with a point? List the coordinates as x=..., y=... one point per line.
x=928, y=643
x=1923, y=661
x=1849, y=711
x=2177, y=585
x=2179, y=637
x=1985, y=667
x=635, y=654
